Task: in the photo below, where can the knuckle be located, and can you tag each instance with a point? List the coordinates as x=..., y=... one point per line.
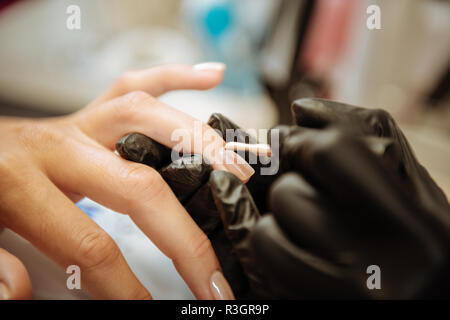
x=126, y=80
x=200, y=247
x=128, y=106
x=380, y=114
x=142, y=183
x=97, y=250
x=379, y=121
x=136, y=97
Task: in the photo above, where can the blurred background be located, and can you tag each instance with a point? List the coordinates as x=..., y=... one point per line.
x=276, y=51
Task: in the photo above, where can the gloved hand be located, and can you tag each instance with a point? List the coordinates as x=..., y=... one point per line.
x=345, y=200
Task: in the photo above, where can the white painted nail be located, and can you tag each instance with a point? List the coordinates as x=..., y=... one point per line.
x=210, y=66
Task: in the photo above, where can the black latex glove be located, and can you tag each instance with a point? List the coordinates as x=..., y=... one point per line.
x=346, y=199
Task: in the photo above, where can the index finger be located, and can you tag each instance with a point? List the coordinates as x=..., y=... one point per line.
x=140, y=112
x=159, y=80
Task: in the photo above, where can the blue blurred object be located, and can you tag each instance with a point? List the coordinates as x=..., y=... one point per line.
x=89, y=208
x=226, y=34
x=218, y=19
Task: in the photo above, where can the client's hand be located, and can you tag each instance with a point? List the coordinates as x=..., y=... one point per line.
x=48, y=164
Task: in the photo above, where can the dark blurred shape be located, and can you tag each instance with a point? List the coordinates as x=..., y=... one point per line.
x=441, y=91
x=307, y=52
x=6, y=3
x=279, y=61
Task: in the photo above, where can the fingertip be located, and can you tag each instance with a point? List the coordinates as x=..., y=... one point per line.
x=211, y=73
x=197, y=269
x=15, y=283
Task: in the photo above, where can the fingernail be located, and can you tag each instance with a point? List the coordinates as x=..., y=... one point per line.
x=210, y=66
x=4, y=292
x=235, y=164
x=220, y=288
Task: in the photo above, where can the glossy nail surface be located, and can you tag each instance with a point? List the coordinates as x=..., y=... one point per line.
x=235, y=164
x=220, y=288
x=4, y=292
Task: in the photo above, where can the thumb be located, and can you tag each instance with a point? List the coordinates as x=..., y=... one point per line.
x=15, y=282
